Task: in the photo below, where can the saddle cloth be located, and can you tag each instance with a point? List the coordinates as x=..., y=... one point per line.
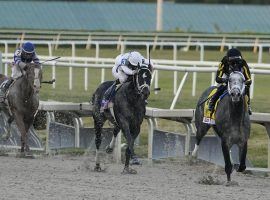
x=208, y=117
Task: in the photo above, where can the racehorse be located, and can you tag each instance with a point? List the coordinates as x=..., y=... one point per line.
x=232, y=123
x=23, y=101
x=127, y=115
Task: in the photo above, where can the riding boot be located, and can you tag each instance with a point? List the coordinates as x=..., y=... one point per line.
x=108, y=95
x=215, y=97
x=4, y=89
x=248, y=101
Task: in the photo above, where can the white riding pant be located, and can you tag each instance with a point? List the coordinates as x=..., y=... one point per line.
x=16, y=72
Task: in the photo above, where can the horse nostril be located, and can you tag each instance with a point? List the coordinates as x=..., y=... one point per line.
x=238, y=94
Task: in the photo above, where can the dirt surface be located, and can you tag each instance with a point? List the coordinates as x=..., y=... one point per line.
x=72, y=177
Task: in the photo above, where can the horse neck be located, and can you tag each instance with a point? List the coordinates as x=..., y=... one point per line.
x=132, y=90
x=237, y=110
x=26, y=86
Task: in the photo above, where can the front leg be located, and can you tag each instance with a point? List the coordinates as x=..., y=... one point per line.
x=227, y=159
x=130, y=147
x=242, y=157
x=21, y=126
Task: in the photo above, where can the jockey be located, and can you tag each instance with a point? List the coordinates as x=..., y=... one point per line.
x=22, y=56
x=233, y=61
x=125, y=66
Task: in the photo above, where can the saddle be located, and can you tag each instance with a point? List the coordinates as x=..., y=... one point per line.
x=209, y=117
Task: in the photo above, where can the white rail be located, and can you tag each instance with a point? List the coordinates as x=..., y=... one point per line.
x=165, y=65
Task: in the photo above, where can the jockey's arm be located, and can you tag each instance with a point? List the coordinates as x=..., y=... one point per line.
x=35, y=59
x=17, y=59
x=220, y=73
x=246, y=73
x=127, y=71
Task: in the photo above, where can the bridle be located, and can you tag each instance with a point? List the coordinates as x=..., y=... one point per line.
x=230, y=89
x=138, y=86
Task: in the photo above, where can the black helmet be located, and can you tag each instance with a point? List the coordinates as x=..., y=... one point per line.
x=234, y=54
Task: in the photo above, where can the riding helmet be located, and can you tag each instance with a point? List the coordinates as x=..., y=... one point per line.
x=234, y=53
x=28, y=47
x=135, y=58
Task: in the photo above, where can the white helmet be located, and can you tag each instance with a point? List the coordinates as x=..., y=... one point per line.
x=135, y=58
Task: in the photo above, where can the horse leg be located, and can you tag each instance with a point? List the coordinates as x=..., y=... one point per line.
x=8, y=127
x=200, y=133
x=110, y=147
x=21, y=126
x=227, y=159
x=242, y=157
x=129, y=149
x=27, y=127
x=98, y=124
x=134, y=158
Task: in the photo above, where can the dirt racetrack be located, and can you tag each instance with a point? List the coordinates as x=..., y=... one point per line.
x=72, y=177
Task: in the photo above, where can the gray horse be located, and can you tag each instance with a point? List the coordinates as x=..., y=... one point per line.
x=232, y=123
x=129, y=110
x=23, y=101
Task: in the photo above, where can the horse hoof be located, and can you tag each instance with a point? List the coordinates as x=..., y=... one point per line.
x=25, y=155
x=109, y=150
x=128, y=170
x=241, y=168
x=135, y=161
x=97, y=168
x=231, y=183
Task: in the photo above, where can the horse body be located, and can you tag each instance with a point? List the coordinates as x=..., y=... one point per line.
x=232, y=122
x=23, y=101
x=128, y=110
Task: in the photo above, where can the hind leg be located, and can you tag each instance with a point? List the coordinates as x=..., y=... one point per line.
x=227, y=159
x=98, y=124
x=110, y=147
x=242, y=157
x=200, y=133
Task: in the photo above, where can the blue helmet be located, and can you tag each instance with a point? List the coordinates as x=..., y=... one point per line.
x=28, y=47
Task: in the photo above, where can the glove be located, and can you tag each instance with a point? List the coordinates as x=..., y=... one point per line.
x=134, y=71
x=225, y=80
x=22, y=65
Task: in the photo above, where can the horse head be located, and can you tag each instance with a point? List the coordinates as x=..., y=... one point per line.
x=236, y=86
x=143, y=81
x=33, y=74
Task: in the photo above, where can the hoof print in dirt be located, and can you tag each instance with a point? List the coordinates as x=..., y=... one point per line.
x=209, y=180
x=128, y=170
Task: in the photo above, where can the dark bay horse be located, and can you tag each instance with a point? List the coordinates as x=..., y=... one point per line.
x=128, y=110
x=22, y=101
x=232, y=123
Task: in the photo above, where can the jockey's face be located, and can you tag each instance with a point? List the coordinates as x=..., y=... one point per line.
x=26, y=56
x=234, y=62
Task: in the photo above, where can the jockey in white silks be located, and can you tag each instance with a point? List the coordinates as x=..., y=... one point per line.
x=125, y=65
x=22, y=56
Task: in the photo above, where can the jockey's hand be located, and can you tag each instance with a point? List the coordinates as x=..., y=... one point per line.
x=135, y=71
x=22, y=65
x=225, y=80
x=248, y=83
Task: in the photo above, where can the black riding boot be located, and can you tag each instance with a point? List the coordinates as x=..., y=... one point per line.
x=215, y=97
x=248, y=101
x=5, y=88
